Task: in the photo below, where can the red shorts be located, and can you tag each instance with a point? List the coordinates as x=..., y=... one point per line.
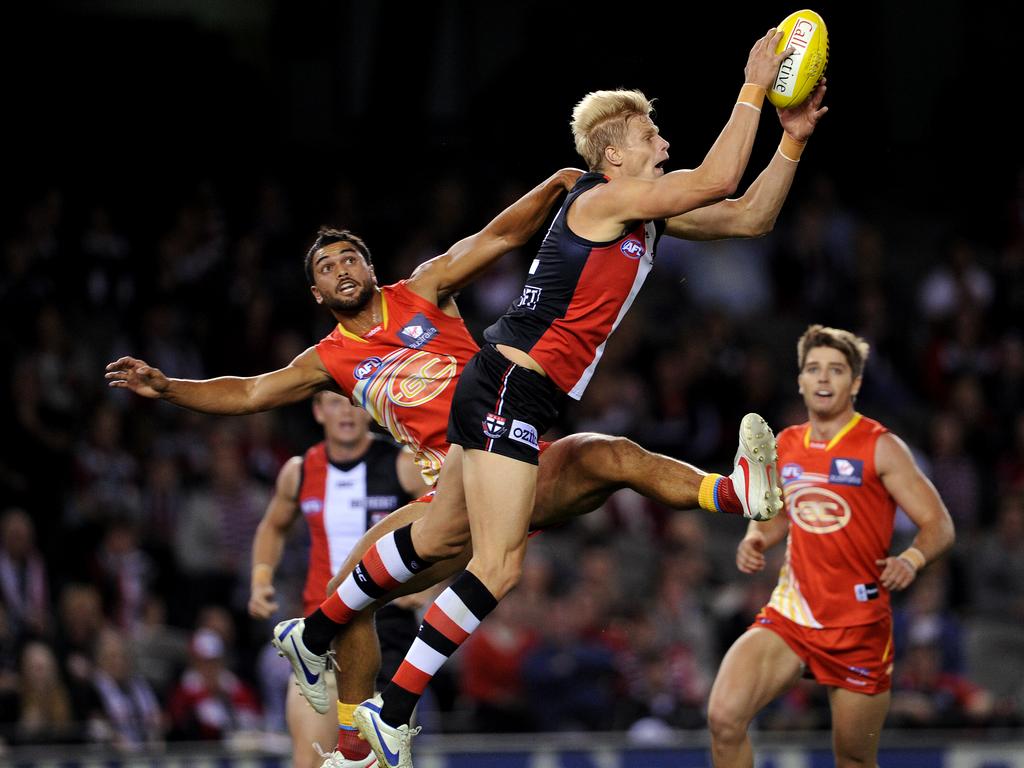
x=855, y=658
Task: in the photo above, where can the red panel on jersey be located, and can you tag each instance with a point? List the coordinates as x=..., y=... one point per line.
x=841, y=522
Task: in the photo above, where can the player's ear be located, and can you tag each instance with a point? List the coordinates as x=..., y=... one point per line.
x=799, y=386
x=316, y=294
x=856, y=385
x=613, y=155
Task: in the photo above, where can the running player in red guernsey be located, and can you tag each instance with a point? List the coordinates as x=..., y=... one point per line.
x=341, y=487
x=829, y=617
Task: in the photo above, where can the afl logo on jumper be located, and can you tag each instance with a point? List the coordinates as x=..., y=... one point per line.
x=633, y=249
x=494, y=425
x=366, y=368
x=846, y=472
x=417, y=332
x=818, y=510
x=791, y=472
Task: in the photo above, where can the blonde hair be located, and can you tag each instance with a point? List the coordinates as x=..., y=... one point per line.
x=853, y=347
x=600, y=120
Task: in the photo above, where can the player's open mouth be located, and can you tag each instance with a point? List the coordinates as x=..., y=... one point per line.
x=823, y=393
x=347, y=286
x=661, y=166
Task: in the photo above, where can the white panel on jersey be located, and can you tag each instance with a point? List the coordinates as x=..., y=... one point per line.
x=642, y=269
x=344, y=510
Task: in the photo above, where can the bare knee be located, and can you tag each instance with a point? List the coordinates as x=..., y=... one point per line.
x=436, y=540
x=728, y=724
x=855, y=758
x=606, y=456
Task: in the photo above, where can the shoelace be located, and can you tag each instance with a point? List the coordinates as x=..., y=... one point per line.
x=330, y=759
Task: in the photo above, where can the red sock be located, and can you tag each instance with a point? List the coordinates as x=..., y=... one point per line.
x=726, y=498
x=350, y=745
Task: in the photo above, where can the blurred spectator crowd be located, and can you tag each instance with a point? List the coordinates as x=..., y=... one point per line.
x=126, y=524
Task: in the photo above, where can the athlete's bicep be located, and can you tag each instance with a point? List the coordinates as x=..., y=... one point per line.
x=298, y=381
x=628, y=199
x=438, y=278
x=907, y=484
x=283, y=509
x=711, y=222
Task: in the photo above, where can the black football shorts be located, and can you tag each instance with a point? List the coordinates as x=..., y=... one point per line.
x=501, y=407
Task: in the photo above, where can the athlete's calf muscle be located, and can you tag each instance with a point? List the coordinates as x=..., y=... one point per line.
x=403, y=516
x=435, y=574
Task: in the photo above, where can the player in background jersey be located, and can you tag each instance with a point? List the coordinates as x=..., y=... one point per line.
x=341, y=487
x=587, y=273
x=843, y=475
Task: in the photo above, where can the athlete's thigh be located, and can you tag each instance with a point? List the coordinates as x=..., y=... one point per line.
x=857, y=721
x=402, y=516
x=757, y=668
x=576, y=475
x=446, y=522
x=500, y=494
x=307, y=727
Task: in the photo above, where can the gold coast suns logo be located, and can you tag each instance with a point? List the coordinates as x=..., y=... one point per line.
x=408, y=379
x=816, y=509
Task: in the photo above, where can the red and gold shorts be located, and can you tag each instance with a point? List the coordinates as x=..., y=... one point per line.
x=855, y=658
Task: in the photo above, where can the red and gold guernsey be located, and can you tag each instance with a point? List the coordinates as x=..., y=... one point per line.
x=404, y=371
x=840, y=523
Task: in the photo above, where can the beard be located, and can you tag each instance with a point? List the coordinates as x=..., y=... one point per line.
x=350, y=306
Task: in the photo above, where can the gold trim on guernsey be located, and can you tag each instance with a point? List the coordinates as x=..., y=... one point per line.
x=839, y=435
x=383, y=323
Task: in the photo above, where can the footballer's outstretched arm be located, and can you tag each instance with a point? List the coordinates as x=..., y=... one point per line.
x=718, y=176
x=754, y=214
x=229, y=395
x=513, y=227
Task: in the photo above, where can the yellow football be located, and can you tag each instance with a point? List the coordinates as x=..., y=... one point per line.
x=805, y=31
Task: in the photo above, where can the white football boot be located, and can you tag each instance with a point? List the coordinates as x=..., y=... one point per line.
x=756, y=476
x=310, y=669
x=392, y=746
x=337, y=760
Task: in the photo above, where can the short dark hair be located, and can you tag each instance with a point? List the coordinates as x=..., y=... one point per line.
x=327, y=236
x=853, y=347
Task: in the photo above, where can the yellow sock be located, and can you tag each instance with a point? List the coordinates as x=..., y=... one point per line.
x=345, y=715
x=706, y=496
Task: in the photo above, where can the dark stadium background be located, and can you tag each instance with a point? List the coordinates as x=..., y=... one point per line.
x=126, y=98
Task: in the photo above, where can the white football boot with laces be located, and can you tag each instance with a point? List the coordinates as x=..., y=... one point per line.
x=392, y=746
x=310, y=669
x=337, y=760
x=756, y=476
